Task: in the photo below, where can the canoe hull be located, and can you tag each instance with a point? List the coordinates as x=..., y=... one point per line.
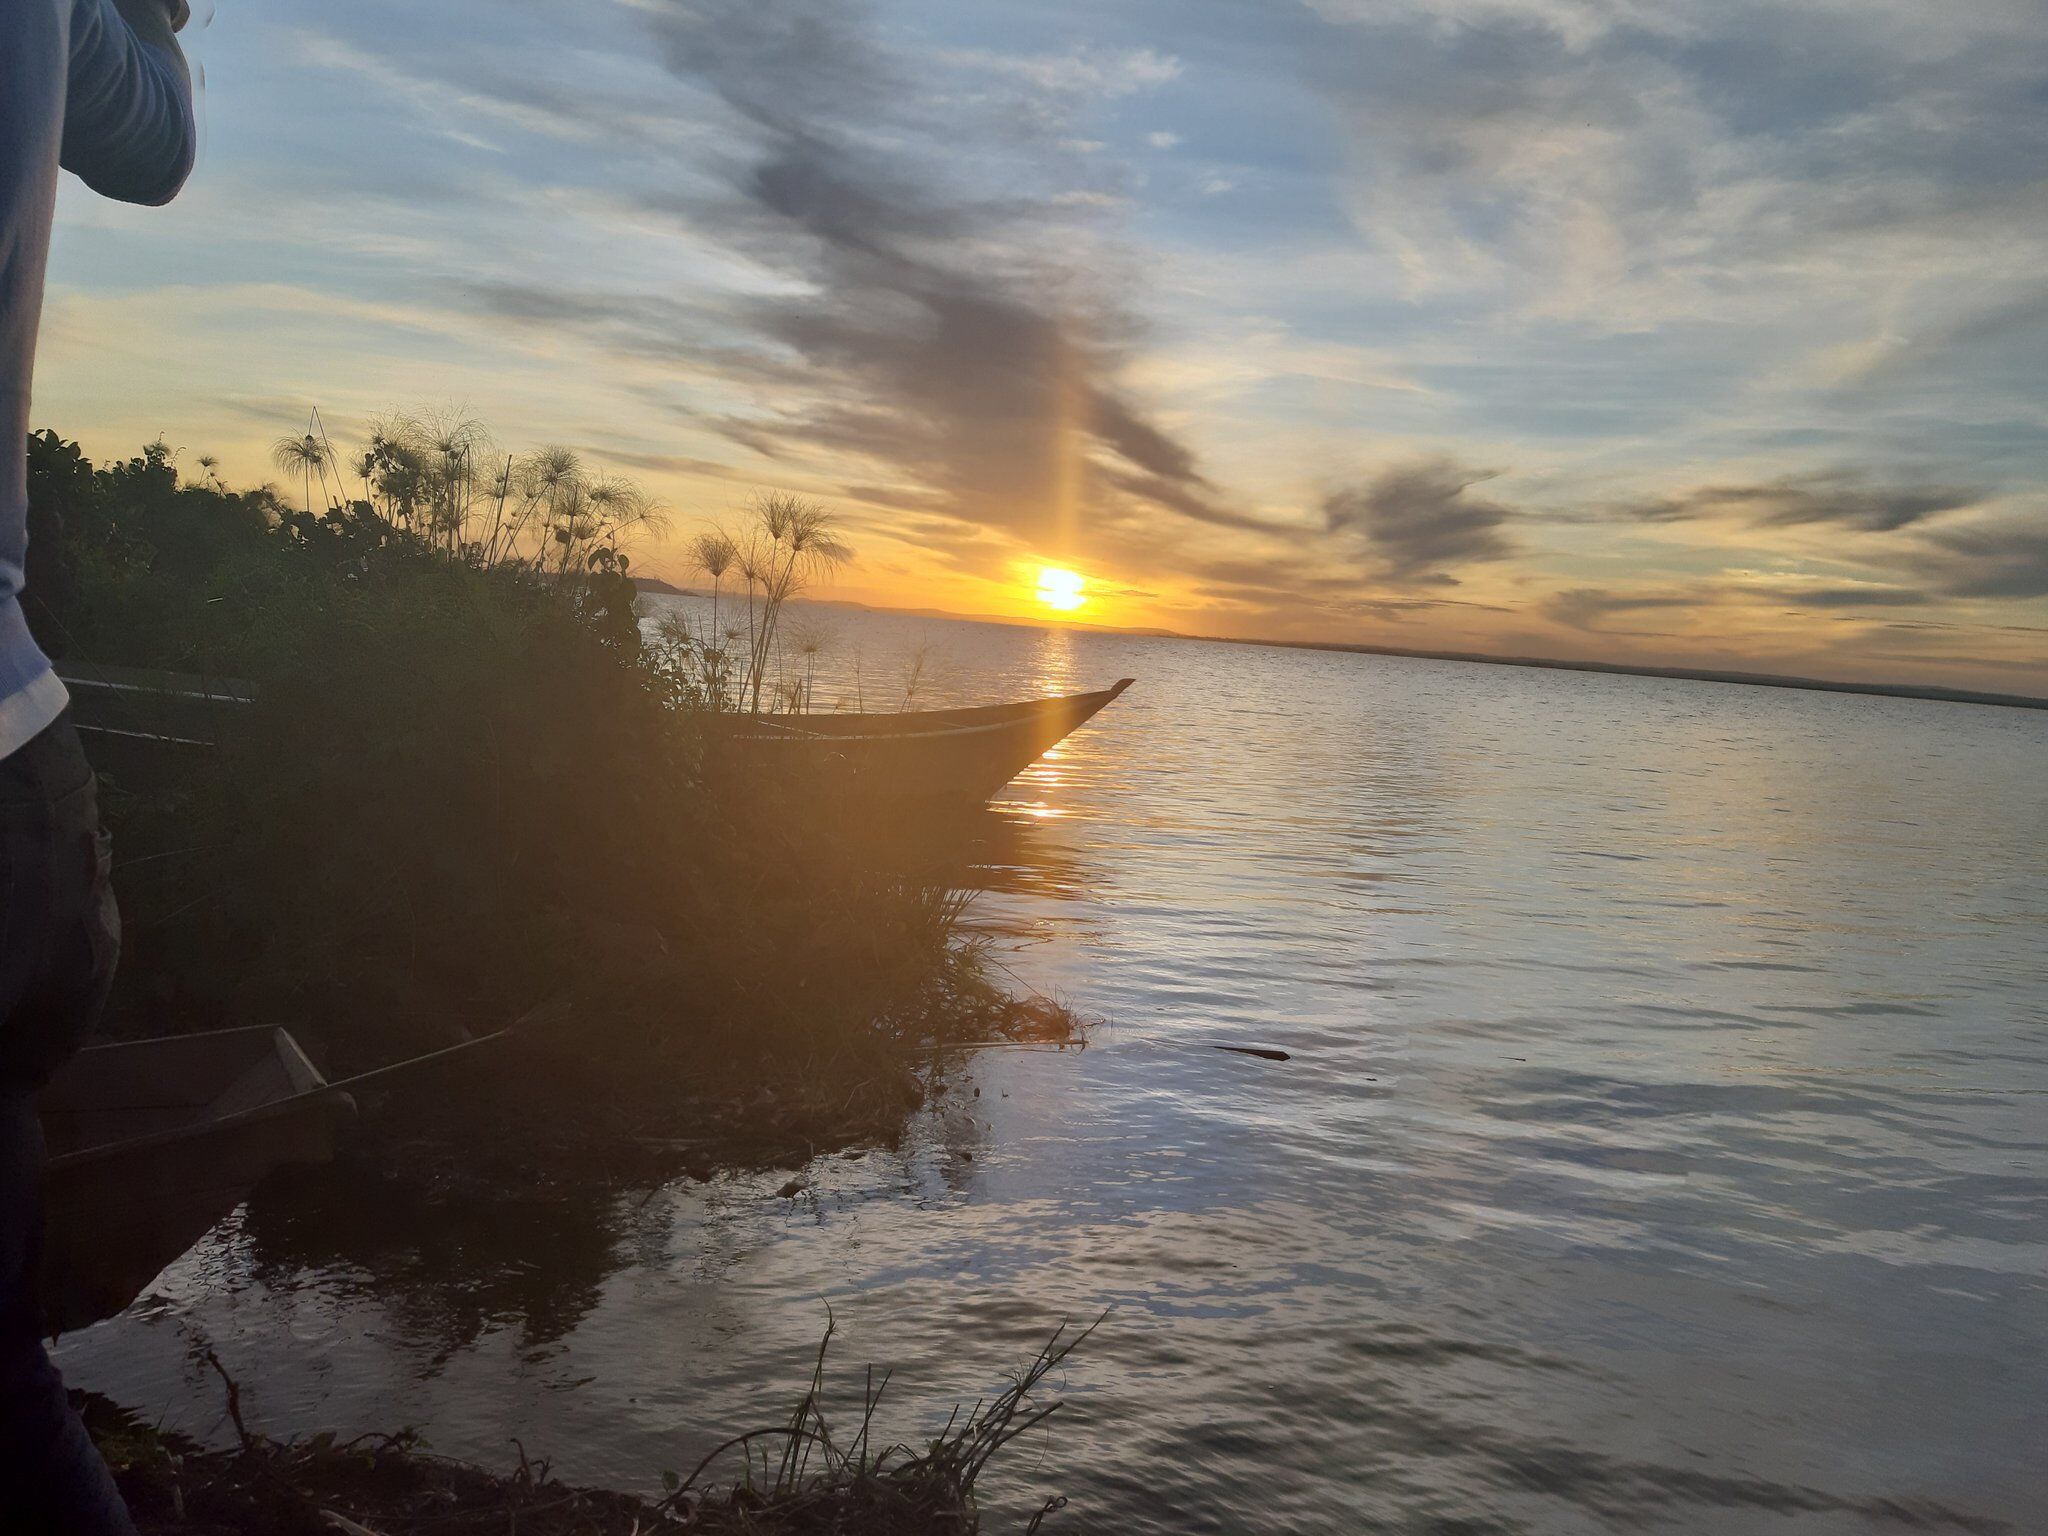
x=153, y=1142
x=159, y=721
x=955, y=756
x=148, y=729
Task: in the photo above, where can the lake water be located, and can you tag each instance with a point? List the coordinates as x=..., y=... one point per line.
x=1664, y=1144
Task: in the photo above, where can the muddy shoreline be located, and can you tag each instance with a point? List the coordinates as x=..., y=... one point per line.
x=797, y=1473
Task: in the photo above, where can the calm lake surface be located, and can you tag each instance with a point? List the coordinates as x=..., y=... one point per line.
x=1665, y=1143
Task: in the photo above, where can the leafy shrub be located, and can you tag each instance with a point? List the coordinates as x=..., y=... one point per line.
x=466, y=789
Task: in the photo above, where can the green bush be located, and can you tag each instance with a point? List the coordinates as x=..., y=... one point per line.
x=465, y=790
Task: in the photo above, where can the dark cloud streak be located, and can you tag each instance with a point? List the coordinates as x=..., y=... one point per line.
x=1420, y=520
x=938, y=332
x=1852, y=596
x=1585, y=608
x=1841, y=498
x=1997, y=561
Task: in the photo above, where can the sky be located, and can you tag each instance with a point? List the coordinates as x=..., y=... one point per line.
x=1694, y=332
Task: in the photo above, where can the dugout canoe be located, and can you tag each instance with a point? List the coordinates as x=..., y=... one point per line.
x=146, y=727
x=151, y=1142
x=133, y=716
x=146, y=704
x=957, y=756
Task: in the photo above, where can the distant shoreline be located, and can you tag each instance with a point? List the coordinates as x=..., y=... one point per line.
x=665, y=588
x=1682, y=674
x=1930, y=691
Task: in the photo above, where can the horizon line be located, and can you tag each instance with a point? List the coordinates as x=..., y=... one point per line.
x=1936, y=692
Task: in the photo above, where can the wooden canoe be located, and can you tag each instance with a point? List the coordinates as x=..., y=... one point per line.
x=152, y=1142
x=934, y=756
x=143, y=726
x=962, y=756
x=177, y=709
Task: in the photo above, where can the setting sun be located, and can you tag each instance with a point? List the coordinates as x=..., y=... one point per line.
x=1060, y=589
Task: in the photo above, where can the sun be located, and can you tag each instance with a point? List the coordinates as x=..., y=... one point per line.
x=1060, y=589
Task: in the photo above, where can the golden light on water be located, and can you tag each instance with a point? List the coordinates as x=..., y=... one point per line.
x=1061, y=590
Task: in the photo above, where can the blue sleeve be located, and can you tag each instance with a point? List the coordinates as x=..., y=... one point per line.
x=128, y=128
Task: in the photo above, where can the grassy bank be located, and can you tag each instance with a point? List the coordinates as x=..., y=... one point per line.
x=469, y=789
x=800, y=1475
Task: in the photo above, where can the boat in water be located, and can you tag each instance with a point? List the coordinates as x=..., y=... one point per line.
x=929, y=756
x=151, y=1142
x=944, y=756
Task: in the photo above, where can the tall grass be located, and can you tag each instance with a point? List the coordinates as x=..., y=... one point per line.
x=443, y=480
x=807, y=1476
x=785, y=545
x=799, y=1477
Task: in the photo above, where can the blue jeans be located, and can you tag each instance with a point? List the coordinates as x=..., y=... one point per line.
x=59, y=937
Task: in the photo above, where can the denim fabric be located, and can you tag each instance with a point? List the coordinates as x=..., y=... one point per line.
x=59, y=938
x=59, y=929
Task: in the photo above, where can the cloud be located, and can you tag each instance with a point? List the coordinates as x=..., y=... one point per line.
x=940, y=331
x=1850, y=595
x=1637, y=163
x=1997, y=561
x=528, y=102
x=1587, y=607
x=1838, y=497
x=1107, y=73
x=1191, y=499
x=1420, y=520
x=1325, y=595
x=665, y=463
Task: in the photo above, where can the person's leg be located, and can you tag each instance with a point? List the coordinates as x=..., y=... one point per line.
x=51, y=1478
x=58, y=940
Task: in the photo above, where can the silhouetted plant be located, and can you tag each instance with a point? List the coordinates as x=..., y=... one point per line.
x=304, y=457
x=786, y=544
x=468, y=784
x=811, y=640
x=805, y=1476
x=915, y=661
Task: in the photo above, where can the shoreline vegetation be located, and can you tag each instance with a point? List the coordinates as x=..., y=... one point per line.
x=471, y=791
x=805, y=1474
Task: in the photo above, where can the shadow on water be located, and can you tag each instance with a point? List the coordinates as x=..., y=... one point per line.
x=449, y=1262
x=1007, y=848
x=446, y=1268
x=444, y=1271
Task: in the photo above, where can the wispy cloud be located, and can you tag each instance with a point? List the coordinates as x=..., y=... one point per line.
x=1588, y=155
x=940, y=333
x=1422, y=522
x=2006, y=560
x=1096, y=72
x=1590, y=608
x=1843, y=498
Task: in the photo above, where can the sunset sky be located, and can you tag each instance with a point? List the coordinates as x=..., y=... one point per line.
x=1686, y=331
